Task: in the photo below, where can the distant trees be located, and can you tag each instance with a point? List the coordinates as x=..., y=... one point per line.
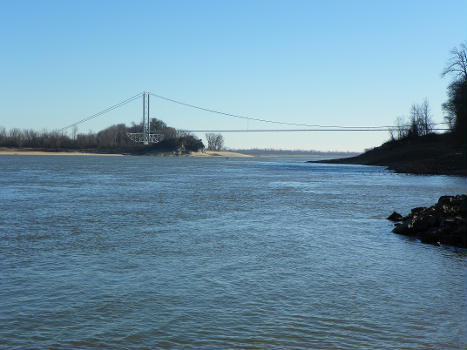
x=113, y=138
x=215, y=141
x=400, y=131
x=191, y=143
x=34, y=139
x=159, y=127
x=420, y=122
x=455, y=107
x=74, y=132
x=88, y=140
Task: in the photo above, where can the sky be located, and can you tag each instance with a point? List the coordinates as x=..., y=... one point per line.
x=351, y=63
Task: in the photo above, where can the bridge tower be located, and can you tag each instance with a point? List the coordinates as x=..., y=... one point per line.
x=145, y=137
x=146, y=120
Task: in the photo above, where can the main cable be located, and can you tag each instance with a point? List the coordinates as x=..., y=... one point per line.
x=108, y=109
x=210, y=110
x=289, y=130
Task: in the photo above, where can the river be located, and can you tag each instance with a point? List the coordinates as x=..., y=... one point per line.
x=240, y=253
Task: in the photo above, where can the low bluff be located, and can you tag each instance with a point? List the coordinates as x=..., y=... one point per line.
x=442, y=223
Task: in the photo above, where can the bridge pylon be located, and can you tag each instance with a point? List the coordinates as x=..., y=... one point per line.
x=145, y=137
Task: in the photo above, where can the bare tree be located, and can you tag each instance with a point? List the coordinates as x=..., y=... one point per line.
x=74, y=132
x=421, y=122
x=401, y=130
x=425, y=119
x=16, y=137
x=210, y=140
x=450, y=121
x=220, y=142
x=392, y=133
x=456, y=105
x=3, y=136
x=457, y=64
x=414, y=126
x=215, y=141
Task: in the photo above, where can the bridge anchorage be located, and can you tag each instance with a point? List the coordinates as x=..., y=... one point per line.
x=145, y=137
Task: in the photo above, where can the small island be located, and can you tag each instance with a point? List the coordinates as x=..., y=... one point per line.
x=112, y=141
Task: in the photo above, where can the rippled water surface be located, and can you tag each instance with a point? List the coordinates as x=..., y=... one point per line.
x=181, y=253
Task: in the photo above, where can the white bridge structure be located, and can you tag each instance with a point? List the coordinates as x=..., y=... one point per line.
x=145, y=137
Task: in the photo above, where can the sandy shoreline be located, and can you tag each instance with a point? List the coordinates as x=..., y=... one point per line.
x=218, y=154
x=31, y=152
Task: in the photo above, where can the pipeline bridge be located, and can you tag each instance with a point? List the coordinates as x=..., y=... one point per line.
x=146, y=137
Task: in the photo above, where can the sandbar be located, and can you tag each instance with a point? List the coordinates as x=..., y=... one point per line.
x=33, y=152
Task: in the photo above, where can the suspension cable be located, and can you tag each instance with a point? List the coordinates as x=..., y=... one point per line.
x=104, y=111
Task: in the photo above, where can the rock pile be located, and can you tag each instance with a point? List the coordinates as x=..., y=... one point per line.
x=443, y=223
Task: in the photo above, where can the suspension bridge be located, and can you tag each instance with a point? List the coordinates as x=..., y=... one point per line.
x=146, y=137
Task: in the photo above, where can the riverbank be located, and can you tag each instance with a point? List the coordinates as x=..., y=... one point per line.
x=41, y=152
x=34, y=152
x=427, y=155
x=219, y=154
x=199, y=154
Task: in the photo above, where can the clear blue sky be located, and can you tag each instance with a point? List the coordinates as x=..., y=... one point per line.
x=316, y=62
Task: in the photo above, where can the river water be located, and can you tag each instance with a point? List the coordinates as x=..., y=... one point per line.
x=250, y=253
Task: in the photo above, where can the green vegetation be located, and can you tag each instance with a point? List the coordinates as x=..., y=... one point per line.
x=113, y=139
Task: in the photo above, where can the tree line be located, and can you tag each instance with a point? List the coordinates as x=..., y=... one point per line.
x=420, y=121
x=455, y=107
x=113, y=138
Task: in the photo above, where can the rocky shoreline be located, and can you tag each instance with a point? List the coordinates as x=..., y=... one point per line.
x=442, y=223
